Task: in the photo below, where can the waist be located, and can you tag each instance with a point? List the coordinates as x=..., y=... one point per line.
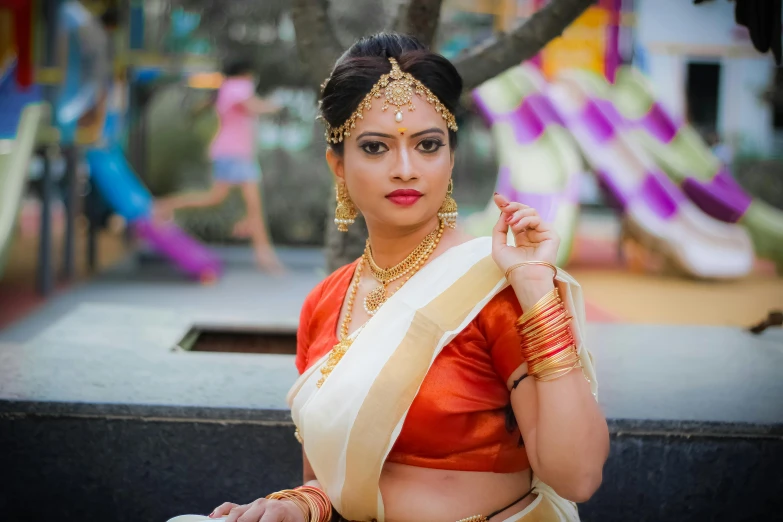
x=413, y=494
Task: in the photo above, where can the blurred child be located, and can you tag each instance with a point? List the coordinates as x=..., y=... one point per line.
x=232, y=152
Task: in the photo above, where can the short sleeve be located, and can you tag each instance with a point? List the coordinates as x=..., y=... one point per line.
x=234, y=92
x=497, y=322
x=303, y=331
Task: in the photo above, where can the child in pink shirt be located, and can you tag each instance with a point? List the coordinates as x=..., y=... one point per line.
x=232, y=152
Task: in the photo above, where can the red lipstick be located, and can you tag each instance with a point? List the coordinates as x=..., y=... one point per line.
x=404, y=197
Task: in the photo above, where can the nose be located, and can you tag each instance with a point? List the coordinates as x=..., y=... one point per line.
x=404, y=169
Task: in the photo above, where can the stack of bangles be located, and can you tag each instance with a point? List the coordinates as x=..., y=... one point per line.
x=313, y=502
x=547, y=341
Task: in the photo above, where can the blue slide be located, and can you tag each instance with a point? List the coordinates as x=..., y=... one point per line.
x=116, y=181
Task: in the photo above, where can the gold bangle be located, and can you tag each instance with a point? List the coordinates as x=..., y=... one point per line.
x=541, y=263
x=551, y=299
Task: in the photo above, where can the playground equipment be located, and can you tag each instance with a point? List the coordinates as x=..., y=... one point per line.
x=657, y=214
x=121, y=188
x=687, y=160
x=20, y=114
x=87, y=89
x=540, y=164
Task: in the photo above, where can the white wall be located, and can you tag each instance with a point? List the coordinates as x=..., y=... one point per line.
x=673, y=33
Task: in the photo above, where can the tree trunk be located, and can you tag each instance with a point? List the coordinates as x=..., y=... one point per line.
x=319, y=49
x=419, y=18
x=491, y=58
x=315, y=39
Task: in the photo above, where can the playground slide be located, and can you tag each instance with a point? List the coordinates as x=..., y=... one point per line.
x=86, y=64
x=20, y=115
x=688, y=161
x=657, y=214
x=124, y=192
x=540, y=164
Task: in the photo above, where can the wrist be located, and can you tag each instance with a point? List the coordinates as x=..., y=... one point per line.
x=531, y=287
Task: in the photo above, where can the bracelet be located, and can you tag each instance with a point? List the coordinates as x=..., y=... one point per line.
x=547, y=340
x=542, y=263
x=313, y=502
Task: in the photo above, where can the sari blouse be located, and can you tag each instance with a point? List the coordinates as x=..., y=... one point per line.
x=457, y=420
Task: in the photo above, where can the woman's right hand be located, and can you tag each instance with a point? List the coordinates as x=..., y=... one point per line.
x=261, y=510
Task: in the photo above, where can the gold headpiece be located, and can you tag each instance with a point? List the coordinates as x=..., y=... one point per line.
x=399, y=88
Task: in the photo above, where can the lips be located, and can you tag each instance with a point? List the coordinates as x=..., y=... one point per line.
x=404, y=197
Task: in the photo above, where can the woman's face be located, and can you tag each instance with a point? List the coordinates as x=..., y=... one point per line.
x=397, y=173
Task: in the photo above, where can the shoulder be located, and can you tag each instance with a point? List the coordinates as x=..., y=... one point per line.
x=331, y=283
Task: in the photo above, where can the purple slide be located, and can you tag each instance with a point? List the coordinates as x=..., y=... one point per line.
x=539, y=162
x=127, y=196
x=189, y=255
x=657, y=213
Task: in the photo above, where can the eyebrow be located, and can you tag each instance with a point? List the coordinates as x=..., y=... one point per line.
x=414, y=135
x=427, y=131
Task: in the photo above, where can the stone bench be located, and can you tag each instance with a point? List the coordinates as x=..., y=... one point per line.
x=103, y=418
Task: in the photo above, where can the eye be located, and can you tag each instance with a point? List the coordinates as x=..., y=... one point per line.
x=374, y=148
x=429, y=145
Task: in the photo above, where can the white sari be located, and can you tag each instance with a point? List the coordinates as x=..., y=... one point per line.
x=351, y=423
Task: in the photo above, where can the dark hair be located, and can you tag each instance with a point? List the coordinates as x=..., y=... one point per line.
x=360, y=67
x=238, y=67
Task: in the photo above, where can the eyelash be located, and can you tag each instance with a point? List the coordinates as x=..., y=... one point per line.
x=438, y=144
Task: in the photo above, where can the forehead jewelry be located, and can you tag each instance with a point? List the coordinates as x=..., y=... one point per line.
x=402, y=130
x=397, y=89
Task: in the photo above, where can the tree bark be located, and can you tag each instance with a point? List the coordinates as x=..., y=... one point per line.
x=419, y=18
x=491, y=58
x=315, y=39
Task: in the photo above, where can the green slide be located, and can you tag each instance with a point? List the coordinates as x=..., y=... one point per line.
x=15, y=154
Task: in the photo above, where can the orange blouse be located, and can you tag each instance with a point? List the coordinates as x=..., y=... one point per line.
x=457, y=420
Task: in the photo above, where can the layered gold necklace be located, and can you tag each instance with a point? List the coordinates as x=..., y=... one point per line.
x=409, y=266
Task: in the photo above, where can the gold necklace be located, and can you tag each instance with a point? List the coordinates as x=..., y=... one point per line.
x=408, y=266
x=344, y=343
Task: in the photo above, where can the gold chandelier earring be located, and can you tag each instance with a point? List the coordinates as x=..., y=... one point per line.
x=448, y=210
x=346, y=212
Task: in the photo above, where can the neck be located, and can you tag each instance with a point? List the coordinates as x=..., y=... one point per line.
x=392, y=245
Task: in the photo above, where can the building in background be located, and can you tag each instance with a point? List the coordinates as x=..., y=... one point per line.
x=705, y=69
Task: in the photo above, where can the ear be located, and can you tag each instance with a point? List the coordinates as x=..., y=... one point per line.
x=335, y=162
x=451, y=153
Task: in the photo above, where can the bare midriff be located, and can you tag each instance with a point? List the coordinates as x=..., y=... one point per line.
x=414, y=494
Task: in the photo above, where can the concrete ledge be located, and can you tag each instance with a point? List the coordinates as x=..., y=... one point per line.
x=101, y=420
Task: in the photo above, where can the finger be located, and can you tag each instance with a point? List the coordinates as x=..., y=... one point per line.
x=530, y=222
x=255, y=513
x=511, y=219
x=223, y=509
x=500, y=201
x=500, y=233
x=511, y=207
x=237, y=512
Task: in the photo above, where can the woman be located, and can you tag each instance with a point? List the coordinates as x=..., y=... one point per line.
x=234, y=163
x=426, y=394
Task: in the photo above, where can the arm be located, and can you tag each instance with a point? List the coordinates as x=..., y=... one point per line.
x=259, y=106
x=564, y=430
